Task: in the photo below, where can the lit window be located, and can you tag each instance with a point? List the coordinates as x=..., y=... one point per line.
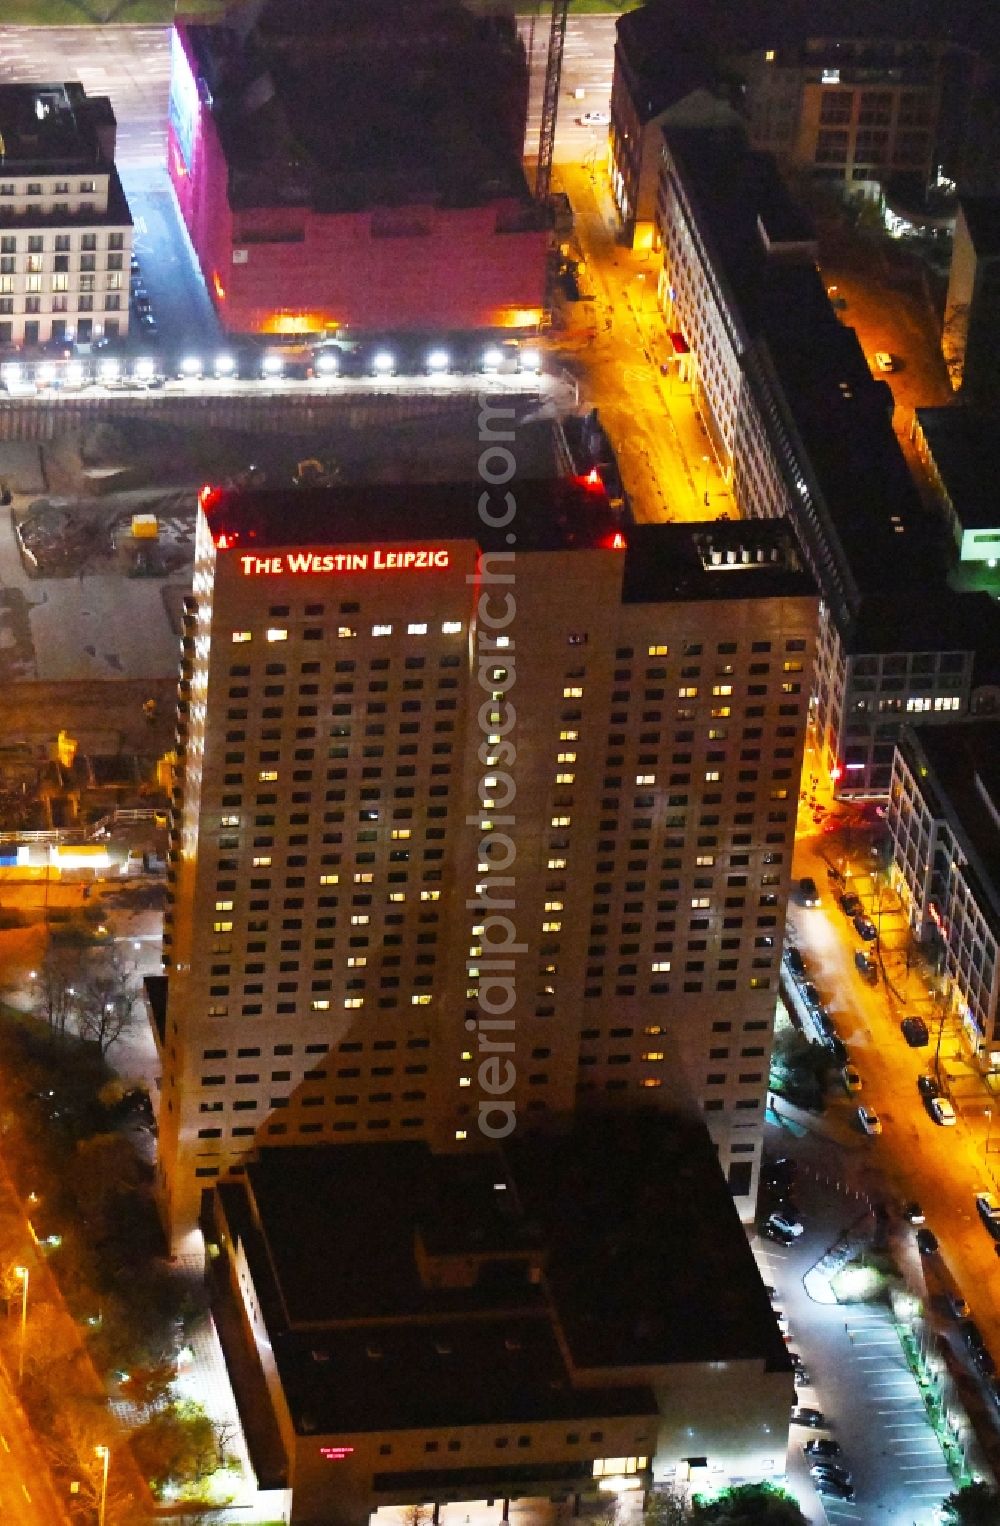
x=687, y=693
x=573, y=691
x=461, y=1133
x=502, y=641
x=720, y=712
x=321, y=1004
x=566, y=757
x=346, y=632
x=650, y=1081
x=561, y=821
x=240, y=636
x=357, y=961
x=569, y=736
x=645, y=778
x=551, y=927
x=465, y=1080
x=660, y=966
x=608, y=1466
x=420, y=999
x=466, y=1054
x=769, y=56
x=451, y=628
x=222, y=927
x=362, y=919
x=277, y=633
x=400, y=834
x=653, y=1056
x=556, y=863
x=381, y=630
x=553, y=906
x=397, y=895
x=712, y=775
x=658, y=651
x=267, y=775
x=223, y=905
x=354, y=1001
x=430, y=895
x=262, y=861
x=328, y=879
x=417, y=628
x=565, y=778
x=705, y=860
x=230, y=821
x=722, y=689
x=363, y=877
x=699, y=902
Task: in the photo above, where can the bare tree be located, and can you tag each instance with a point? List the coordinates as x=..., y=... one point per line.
x=105, y=1000
x=54, y=986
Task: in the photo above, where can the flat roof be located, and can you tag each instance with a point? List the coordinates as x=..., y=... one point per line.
x=719, y=559
x=342, y=108
x=982, y=217
x=45, y=126
x=965, y=446
x=964, y=759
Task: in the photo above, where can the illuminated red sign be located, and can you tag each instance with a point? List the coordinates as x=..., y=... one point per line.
x=379, y=559
x=335, y=1454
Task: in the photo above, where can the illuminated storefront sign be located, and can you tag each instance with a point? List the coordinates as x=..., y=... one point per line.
x=379, y=559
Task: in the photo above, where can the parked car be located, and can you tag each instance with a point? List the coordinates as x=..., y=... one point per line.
x=942, y=1112
x=803, y=1415
x=913, y=1213
x=865, y=928
x=851, y=1079
x=837, y=1048
x=594, y=119
x=829, y=1483
x=822, y=1446
x=989, y=1211
x=811, y=994
x=795, y=963
x=829, y=1469
x=866, y=966
x=869, y=1120
x=808, y=892
x=914, y=1031
x=928, y=1087
x=779, y=1236
x=927, y=1242
x=849, y=903
x=787, y=1226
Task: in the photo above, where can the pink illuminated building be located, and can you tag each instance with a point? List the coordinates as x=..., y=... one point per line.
x=338, y=172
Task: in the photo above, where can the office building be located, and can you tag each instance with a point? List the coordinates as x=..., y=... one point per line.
x=944, y=821
x=353, y=175
x=852, y=96
x=568, y=1316
x=804, y=431
x=970, y=340
x=330, y=938
x=65, y=227
x=959, y=448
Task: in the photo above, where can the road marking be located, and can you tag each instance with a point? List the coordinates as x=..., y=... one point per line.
x=6, y=1443
x=24, y=1491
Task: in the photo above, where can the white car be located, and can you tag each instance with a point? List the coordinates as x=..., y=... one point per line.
x=594, y=119
x=786, y=1226
x=942, y=1111
x=869, y=1120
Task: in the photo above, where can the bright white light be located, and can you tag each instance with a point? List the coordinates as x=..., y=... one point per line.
x=108, y=370
x=191, y=365
x=46, y=371
x=225, y=365
x=12, y=371
x=492, y=359
x=145, y=368
x=383, y=363
x=531, y=361
x=272, y=365
x=74, y=372
x=326, y=362
x=438, y=360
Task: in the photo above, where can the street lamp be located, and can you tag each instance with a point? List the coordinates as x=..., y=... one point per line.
x=21, y=1272
x=104, y=1453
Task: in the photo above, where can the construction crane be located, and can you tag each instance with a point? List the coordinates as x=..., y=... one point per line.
x=550, y=99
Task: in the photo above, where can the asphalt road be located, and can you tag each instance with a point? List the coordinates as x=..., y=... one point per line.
x=168, y=267
x=587, y=63
x=27, y=1497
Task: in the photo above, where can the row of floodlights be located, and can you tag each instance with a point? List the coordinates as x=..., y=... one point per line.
x=437, y=362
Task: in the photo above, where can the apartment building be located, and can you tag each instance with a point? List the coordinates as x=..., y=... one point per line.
x=65, y=226
x=849, y=95
x=944, y=821
x=419, y=1328
x=348, y=799
x=804, y=432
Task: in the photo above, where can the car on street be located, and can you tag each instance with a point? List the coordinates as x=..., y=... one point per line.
x=794, y=962
x=942, y=1112
x=869, y=1120
x=913, y=1213
x=822, y=1446
x=928, y=1087
x=851, y=1079
x=837, y=1048
x=779, y=1236
x=811, y=994
x=594, y=119
x=808, y=892
x=832, y=1484
x=802, y=1414
x=927, y=1242
x=849, y=903
x=865, y=928
x=883, y=361
x=914, y=1031
x=988, y=1210
x=956, y=1305
x=787, y=1226
x=866, y=966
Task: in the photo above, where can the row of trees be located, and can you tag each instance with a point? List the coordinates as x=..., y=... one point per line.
x=86, y=991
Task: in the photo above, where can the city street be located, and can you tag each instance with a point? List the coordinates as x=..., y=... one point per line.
x=587, y=63
x=27, y=1497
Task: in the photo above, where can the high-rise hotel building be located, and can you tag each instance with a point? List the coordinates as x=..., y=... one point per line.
x=475, y=825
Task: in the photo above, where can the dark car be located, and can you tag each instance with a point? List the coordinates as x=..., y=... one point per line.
x=837, y=1048
x=828, y=1483
x=849, y=903
x=866, y=967
x=794, y=962
x=913, y=1213
x=822, y=1446
x=914, y=1031
x=928, y=1088
x=803, y=1415
x=779, y=1236
x=865, y=928
x=811, y=994
x=927, y=1242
